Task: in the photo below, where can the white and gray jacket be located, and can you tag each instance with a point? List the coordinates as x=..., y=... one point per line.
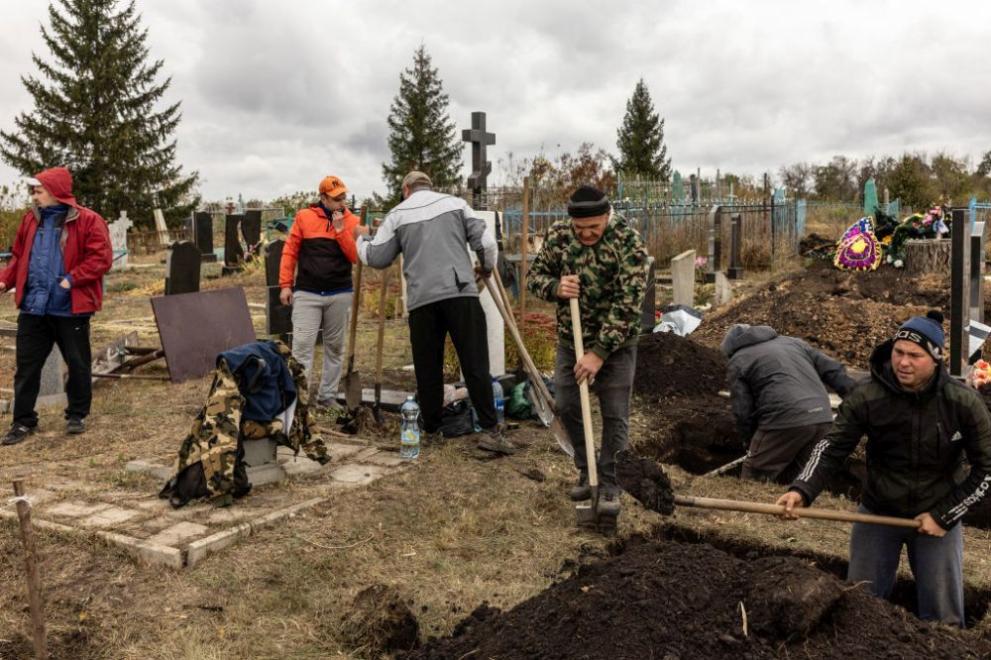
x=433, y=232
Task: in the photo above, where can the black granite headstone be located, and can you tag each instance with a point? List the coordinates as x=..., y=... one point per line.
x=735, y=270
x=182, y=268
x=273, y=258
x=278, y=316
x=251, y=229
x=233, y=250
x=203, y=235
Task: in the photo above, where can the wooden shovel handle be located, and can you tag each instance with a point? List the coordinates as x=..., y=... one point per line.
x=576, y=329
x=355, y=303
x=804, y=512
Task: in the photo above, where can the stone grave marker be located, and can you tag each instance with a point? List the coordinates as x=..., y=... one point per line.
x=724, y=292
x=233, y=250
x=278, y=316
x=251, y=229
x=959, y=292
x=715, y=243
x=203, y=235
x=182, y=268
x=977, y=256
x=735, y=270
x=494, y=323
x=118, y=240
x=683, y=278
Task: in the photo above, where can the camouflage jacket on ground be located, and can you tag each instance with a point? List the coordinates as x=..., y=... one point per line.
x=612, y=275
x=212, y=441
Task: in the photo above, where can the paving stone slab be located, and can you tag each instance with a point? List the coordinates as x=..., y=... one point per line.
x=109, y=517
x=230, y=515
x=179, y=533
x=299, y=466
x=339, y=451
x=386, y=459
x=74, y=509
x=358, y=473
x=156, y=470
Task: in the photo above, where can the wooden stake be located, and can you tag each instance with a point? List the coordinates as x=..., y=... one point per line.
x=34, y=580
x=524, y=241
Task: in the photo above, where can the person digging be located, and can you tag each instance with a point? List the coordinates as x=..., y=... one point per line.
x=920, y=425
x=597, y=257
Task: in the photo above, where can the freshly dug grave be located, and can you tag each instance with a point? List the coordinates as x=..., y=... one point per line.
x=675, y=600
x=669, y=365
x=843, y=313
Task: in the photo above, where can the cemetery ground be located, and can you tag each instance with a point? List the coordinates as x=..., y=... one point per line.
x=450, y=532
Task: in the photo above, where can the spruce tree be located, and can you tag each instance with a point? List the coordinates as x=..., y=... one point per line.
x=98, y=112
x=421, y=134
x=642, y=152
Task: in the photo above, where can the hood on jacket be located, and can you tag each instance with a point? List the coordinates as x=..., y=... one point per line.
x=880, y=363
x=741, y=335
x=58, y=181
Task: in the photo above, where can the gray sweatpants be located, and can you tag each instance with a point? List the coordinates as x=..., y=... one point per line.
x=311, y=313
x=936, y=563
x=780, y=454
x=613, y=385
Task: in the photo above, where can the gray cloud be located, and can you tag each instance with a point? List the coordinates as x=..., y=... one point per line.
x=276, y=95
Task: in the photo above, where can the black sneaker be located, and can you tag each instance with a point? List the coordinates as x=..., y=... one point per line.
x=494, y=441
x=17, y=433
x=581, y=491
x=74, y=426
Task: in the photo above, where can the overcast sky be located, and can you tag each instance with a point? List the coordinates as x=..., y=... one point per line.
x=277, y=94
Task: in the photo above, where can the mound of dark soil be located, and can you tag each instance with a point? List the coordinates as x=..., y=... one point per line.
x=673, y=600
x=843, y=313
x=696, y=432
x=669, y=365
x=380, y=622
x=645, y=480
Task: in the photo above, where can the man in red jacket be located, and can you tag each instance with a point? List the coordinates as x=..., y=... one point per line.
x=61, y=253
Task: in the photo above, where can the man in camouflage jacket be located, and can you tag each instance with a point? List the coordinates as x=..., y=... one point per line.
x=599, y=258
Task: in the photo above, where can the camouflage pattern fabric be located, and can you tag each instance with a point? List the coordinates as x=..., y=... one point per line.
x=212, y=441
x=613, y=279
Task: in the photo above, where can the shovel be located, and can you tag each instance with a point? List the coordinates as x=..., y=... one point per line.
x=377, y=406
x=352, y=379
x=647, y=483
x=545, y=401
x=588, y=513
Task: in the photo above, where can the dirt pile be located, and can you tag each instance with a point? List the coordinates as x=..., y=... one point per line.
x=380, y=622
x=843, y=313
x=674, y=600
x=645, y=480
x=669, y=365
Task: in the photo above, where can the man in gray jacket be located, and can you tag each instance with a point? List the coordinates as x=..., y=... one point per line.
x=432, y=231
x=781, y=406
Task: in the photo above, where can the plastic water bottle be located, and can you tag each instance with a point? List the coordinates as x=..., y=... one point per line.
x=500, y=401
x=409, y=439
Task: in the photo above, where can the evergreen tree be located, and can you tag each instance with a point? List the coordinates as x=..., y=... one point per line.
x=422, y=136
x=642, y=152
x=97, y=112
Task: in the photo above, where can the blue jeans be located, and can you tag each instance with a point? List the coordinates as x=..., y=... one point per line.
x=936, y=563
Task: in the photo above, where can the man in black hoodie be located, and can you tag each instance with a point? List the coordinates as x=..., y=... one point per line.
x=780, y=403
x=920, y=424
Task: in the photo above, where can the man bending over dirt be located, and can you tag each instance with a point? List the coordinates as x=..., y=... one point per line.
x=919, y=424
x=781, y=406
x=599, y=258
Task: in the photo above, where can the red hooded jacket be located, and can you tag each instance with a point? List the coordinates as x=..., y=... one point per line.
x=86, y=248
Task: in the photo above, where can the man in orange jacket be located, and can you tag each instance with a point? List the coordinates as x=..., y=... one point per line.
x=61, y=253
x=315, y=277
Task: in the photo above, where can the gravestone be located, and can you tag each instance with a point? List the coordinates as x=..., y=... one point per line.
x=233, y=251
x=959, y=292
x=251, y=229
x=647, y=316
x=203, y=235
x=683, y=278
x=977, y=256
x=870, y=198
x=161, y=227
x=677, y=188
x=494, y=323
x=693, y=186
x=735, y=270
x=480, y=165
x=182, y=268
x=278, y=317
x=118, y=240
x=724, y=292
x=715, y=243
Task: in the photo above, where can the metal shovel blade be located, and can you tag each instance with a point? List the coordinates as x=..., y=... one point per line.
x=352, y=389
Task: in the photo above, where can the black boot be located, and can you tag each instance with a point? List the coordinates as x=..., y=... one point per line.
x=581, y=490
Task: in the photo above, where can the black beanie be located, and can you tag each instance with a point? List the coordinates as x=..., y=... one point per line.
x=926, y=331
x=587, y=202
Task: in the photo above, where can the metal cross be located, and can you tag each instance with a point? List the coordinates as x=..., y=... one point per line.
x=480, y=166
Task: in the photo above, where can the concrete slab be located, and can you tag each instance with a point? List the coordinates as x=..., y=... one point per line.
x=358, y=473
x=201, y=549
x=74, y=509
x=231, y=515
x=301, y=465
x=109, y=517
x=146, y=551
x=179, y=533
x=36, y=496
x=156, y=470
x=365, y=453
x=269, y=473
x=339, y=451
x=386, y=459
